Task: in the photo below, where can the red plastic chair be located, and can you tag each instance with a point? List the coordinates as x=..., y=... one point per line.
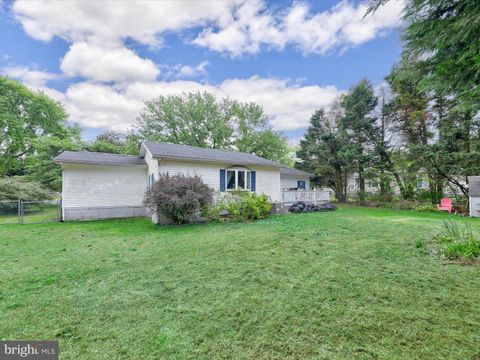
x=445, y=205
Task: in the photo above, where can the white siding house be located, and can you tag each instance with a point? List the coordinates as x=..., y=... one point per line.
x=101, y=185
x=295, y=179
x=102, y=191
x=267, y=179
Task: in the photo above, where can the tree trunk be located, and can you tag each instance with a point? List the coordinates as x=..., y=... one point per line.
x=339, y=188
x=384, y=185
x=361, y=180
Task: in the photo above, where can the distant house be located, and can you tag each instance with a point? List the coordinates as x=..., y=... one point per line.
x=372, y=185
x=104, y=185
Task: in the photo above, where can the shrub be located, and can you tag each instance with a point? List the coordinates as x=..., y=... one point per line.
x=17, y=187
x=458, y=241
x=179, y=197
x=400, y=204
x=426, y=207
x=240, y=207
x=254, y=207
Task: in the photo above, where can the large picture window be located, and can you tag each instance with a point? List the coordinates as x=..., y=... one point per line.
x=231, y=182
x=238, y=179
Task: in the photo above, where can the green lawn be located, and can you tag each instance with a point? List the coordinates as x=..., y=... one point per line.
x=341, y=285
x=47, y=213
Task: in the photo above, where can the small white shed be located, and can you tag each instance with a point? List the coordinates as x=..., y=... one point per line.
x=474, y=195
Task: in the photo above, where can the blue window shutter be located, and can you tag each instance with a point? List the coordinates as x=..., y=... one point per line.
x=222, y=179
x=253, y=180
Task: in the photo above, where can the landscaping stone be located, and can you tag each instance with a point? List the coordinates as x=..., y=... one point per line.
x=303, y=206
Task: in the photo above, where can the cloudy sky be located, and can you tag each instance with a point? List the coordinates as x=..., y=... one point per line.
x=103, y=59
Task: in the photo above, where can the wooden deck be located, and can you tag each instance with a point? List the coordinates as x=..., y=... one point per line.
x=314, y=196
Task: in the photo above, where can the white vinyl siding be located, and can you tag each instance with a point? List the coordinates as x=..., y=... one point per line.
x=152, y=164
x=86, y=186
x=289, y=181
x=267, y=179
x=268, y=182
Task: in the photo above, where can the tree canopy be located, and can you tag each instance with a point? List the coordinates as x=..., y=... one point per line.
x=200, y=119
x=26, y=117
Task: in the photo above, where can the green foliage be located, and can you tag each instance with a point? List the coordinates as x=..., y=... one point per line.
x=199, y=119
x=398, y=204
x=180, y=198
x=253, y=135
x=420, y=243
x=40, y=167
x=25, y=117
x=443, y=36
x=458, y=242
x=436, y=91
x=358, y=104
x=323, y=151
x=244, y=206
x=116, y=143
x=19, y=188
x=426, y=207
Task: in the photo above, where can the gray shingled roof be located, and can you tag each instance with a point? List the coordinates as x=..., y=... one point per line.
x=294, y=172
x=86, y=157
x=184, y=152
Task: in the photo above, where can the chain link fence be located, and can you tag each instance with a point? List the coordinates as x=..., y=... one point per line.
x=29, y=212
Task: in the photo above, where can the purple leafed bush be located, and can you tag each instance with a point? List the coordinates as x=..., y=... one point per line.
x=180, y=198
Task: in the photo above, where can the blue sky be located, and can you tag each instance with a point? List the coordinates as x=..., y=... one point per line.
x=103, y=60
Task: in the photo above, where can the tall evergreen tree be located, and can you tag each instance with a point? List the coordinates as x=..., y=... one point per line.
x=323, y=150
x=444, y=37
x=358, y=123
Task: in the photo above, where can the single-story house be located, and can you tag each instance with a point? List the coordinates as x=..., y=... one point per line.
x=104, y=185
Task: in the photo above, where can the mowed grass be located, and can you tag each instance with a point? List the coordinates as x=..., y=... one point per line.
x=343, y=285
x=45, y=214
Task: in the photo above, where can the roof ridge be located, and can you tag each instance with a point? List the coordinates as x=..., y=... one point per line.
x=100, y=153
x=205, y=148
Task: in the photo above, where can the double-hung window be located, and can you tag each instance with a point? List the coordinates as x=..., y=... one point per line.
x=238, y=180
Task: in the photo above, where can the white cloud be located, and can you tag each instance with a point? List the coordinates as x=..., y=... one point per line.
x=252, y=25
x=113, y=21
x=169, y=72
x=192, y=71
x=34, y=79
x=294, y=142
x=243, y=31
x=103, y=106
x=100, y=106
x=118, y=80
x=29, y=76
x=234, y=27
x=107, y=64
x=289, y=105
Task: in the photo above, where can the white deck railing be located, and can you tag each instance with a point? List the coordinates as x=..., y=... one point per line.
x=314, y=196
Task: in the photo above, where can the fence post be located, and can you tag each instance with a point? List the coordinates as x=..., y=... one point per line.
x=19, y=211
x=22, y=211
